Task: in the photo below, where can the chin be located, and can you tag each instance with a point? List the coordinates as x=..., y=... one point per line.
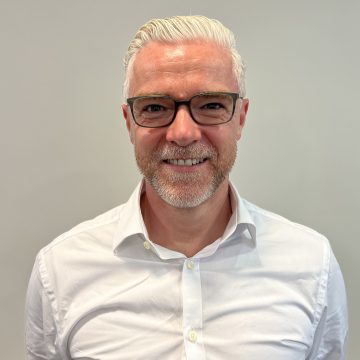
x=186, y=192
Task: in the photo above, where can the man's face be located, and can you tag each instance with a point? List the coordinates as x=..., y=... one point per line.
x=181, y=71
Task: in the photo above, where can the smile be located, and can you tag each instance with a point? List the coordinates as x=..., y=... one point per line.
x=185, y=162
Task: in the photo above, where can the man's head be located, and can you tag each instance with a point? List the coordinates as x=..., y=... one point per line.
x=178, y=29
x=185, y=143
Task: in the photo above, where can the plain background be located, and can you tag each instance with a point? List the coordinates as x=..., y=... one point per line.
x=65, y=154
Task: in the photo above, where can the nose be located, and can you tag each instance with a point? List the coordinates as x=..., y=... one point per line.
x=183, y=130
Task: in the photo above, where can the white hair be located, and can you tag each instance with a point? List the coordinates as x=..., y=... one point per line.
x=177, y=29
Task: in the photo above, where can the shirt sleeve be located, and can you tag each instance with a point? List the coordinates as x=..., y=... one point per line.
x=330, y=339
x=40, y=328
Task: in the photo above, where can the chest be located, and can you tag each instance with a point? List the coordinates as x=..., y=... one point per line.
x=194, y=309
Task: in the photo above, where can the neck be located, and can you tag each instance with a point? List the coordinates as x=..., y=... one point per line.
x=186, y=230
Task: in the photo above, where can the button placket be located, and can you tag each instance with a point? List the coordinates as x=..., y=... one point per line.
x=192, y=336
x=190, y=264
x=192, y=309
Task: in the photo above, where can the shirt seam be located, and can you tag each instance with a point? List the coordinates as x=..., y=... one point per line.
x=255, y=210
x=48, y=290
x=322, y=290
x=82, y=227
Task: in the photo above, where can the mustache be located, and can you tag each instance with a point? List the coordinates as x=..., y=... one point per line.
x=192, y=151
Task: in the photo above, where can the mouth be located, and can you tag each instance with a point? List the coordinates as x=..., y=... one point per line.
x=185, y=162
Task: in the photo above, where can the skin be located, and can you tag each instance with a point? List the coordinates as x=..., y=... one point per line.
x=181, y=71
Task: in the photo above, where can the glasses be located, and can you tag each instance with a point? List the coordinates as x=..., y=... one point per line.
x=208, y=108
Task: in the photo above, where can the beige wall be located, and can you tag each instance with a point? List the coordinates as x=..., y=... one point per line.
x=65, y=155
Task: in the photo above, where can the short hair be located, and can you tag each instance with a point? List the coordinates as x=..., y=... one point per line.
x=177, y=29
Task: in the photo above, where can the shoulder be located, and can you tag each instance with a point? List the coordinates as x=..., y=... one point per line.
x=99, y=231
x=74, y=258
x=287, y=242
x=267, y=221
x=84, y=245
x=101, y=228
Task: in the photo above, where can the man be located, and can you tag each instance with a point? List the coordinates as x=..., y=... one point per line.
x=186, y=269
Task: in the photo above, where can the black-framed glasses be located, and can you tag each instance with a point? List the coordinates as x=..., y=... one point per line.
x=207, y=108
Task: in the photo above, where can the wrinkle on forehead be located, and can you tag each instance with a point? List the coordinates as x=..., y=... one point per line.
x=203, y=63
x=162, y=55
x=174, y=53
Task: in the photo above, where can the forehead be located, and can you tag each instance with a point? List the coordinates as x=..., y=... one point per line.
x=182, y=69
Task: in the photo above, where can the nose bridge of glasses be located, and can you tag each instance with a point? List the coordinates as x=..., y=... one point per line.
x=183, y=129
x=183, y=103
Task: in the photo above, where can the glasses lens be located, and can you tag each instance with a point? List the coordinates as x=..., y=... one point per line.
x=211, y=109
x=153, y=111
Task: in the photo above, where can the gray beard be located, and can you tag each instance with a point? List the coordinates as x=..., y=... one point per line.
x=191, y=196
x=184, y=190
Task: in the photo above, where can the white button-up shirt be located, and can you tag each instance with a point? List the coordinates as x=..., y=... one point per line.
x=267, y=289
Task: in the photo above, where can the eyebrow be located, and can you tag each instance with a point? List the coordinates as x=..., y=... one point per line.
x=151, y=94
x=179, y=99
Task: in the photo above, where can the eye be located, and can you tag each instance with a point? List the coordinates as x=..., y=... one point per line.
x=213, y=106
x=153, y=108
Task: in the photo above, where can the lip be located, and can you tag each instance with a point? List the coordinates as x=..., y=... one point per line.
x=185, y=162
x=185, y=168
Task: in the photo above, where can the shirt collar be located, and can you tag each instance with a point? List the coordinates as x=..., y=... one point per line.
x=131, y=224
x=242, y=215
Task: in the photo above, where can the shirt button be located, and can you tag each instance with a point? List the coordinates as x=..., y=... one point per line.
x=192, y=336
x=147, y=245
x=190, y=264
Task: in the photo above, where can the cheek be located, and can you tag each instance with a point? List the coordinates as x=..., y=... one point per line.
x=223, y=136
x=236, y=130
x=132, y=135
x=147, y=139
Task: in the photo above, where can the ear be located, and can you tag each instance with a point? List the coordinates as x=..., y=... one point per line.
x=242, y=117
x=129, y=123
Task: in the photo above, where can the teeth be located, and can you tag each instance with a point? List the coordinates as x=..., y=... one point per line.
x=185, y=162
